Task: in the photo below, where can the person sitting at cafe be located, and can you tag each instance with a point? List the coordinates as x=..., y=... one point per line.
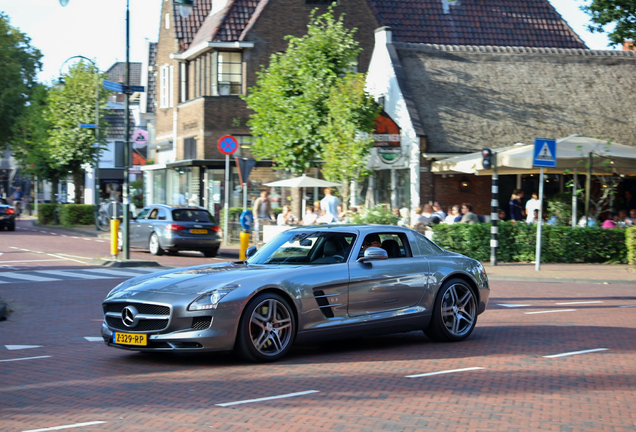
x=286, y=217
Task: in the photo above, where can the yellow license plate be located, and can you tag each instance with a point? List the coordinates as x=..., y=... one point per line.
x=130, y=339
x=198, y=231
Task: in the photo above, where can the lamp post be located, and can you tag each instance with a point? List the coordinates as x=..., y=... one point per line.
x=185, y=7
x=60, y=83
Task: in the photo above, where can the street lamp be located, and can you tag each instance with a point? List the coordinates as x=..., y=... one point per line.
x=60, y=84
x=185, y=7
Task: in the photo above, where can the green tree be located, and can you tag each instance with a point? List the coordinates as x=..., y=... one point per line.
x=296, y=102
x=345, y=149
x=70, y=147
x=619, y=12
x=30, y=137
x=20, y=64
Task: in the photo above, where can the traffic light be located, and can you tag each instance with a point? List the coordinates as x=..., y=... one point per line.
x=487, y=158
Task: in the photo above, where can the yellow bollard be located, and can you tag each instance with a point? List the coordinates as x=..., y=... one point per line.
x=114, y=237
x=245, y=242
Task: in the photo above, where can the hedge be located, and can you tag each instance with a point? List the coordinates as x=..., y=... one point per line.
x=517, y=243
x=69, y=214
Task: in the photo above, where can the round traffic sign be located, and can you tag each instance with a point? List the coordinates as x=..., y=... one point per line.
x=228, y=144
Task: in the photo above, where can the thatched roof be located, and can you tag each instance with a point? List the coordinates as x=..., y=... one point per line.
x=470, y=97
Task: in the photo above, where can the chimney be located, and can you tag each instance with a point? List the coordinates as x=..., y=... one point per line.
x=383, y=36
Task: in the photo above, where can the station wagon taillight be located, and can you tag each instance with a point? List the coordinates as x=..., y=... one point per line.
x=216, y=228
x=10, y=211
x=175, y=227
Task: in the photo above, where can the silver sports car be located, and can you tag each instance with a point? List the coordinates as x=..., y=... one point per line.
x=331, y=281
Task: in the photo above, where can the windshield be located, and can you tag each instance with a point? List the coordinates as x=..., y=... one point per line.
x=306, y=247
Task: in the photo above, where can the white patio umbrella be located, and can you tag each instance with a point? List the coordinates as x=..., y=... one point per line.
x=572, y=153
x=303, y=181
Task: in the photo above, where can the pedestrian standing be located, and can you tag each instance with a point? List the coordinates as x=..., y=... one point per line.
x=532, y=205
x=516, y=212
x=329, y=204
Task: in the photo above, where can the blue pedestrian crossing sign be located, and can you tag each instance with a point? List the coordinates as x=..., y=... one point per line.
x=544, y=153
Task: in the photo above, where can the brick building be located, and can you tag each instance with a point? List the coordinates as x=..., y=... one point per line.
x=206, y=61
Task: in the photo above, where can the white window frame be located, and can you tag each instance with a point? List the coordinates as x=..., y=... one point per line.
x=166, y=82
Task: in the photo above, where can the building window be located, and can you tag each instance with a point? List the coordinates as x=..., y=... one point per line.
x=167, y=21
x=189, y=149
x=245, y=146
x=183, y=79
x=230, y=73
x=167, y=89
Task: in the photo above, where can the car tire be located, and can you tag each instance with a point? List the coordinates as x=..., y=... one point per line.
x=11, y=226
x=454, y=314
x=210, y=253
x=267, y=329
x=153, y=245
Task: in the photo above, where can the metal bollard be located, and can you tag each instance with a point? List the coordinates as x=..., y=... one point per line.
x=245, y=242
x=114, y=237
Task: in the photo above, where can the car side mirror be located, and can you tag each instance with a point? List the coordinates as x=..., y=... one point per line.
x=374, y=254
x=251, y=251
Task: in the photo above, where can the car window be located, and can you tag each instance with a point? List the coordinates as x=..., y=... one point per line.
x=153, y=214
x=162, y=214
x=192, y=215
x=395, y=244
x=306, y=248
x=425, y=246
x=143, y=213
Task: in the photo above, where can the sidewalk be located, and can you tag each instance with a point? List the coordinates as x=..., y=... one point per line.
x=522, y=272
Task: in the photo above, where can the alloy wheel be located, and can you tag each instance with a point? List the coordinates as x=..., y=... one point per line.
x=270, y=327
x=458, y=309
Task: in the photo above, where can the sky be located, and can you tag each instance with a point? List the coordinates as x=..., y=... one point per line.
x=97, y=29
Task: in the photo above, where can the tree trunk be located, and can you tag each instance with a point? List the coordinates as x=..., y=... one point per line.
x=78, y=181
x=297, y=204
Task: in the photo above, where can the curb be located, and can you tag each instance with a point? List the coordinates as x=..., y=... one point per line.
x=560, y=280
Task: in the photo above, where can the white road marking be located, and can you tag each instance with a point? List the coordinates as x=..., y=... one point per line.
x=94, y=338
x=580, y=302
x=25, y=250
x=28, y=261
x=12, y=247
x=1, y=253
x=69, y=259
x=25, y=358
x=550, y=311
x=19, y=347
x=100, y=241
x=513, y=305
x=73, y=256
x=115, y=273
x=76, y=425
x=65, y=273
x=628, y=306
x=63, y=235
x=443, y=372
x=576, y=353
x=86, y=238
x=44, y=232
x=288, y=395
x=27, y=277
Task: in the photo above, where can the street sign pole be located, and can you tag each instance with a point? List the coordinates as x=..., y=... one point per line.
x=545, y=155
x=226, y=207
x=539, y=223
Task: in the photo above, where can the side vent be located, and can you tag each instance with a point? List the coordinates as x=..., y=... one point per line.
x=323, y=303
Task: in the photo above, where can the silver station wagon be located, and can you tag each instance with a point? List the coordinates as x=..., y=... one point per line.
x=332, y=281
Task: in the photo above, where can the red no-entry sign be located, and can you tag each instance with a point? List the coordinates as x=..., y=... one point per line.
x=227, y=144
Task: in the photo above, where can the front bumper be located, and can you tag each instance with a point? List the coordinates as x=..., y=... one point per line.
x=179, y=334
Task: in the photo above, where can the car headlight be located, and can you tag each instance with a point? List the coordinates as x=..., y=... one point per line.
x=211, y=299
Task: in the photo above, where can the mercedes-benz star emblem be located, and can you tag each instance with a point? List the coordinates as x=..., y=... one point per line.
x=129, y=316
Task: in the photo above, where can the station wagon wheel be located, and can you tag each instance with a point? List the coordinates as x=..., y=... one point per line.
x=455, y=312
x=154, y=246
x=267, y=329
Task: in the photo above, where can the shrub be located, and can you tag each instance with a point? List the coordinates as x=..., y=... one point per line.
x=517, y=243
x=376, y=215
x=46, y=213
x=630, y=242
x=77, y=214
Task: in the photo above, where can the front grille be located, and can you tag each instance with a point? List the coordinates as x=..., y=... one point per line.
x=201, y=323
x=143, y=308
x=142, y=326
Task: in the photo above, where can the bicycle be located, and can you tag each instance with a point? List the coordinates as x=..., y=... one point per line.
x=105, y=211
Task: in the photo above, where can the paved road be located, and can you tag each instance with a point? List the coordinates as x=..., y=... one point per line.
x=32, y=247
x=55, y=371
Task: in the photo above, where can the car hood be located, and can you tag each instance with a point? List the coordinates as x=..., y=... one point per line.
x=193, y=280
